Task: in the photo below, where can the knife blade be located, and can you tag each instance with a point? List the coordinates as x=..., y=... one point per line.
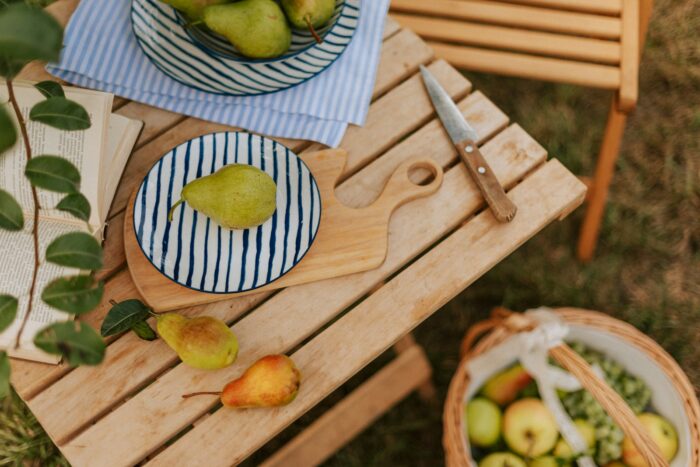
x=465, y=138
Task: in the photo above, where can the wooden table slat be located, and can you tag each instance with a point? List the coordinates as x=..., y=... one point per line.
x=75, y=388
x=356, y=411
x=486, y=118
x=125, y=410
x=284, y=320
x=385, y=316
x=396, y=114
x=29, y=375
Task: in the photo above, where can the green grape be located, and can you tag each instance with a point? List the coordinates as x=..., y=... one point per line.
x=581, y=404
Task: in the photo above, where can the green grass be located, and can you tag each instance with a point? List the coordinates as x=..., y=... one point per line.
x=647, y=267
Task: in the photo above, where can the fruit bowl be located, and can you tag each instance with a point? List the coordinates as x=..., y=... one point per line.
x=302, y=41
x=205, y=61
x=672, y=396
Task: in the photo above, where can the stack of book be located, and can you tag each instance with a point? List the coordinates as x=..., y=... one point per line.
x=100, y=153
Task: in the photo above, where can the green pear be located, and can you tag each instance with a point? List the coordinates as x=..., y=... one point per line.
x=256, y=28
x=236, y=196
x=202, y=342
x=483, y=422
x=193, y=9
x=309, y=14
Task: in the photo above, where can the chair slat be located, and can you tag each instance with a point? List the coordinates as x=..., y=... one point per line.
x=528, y=66
x=544, y=43
x=629, y=85
x=605, y=7
x=384, y=317
x=516, y=16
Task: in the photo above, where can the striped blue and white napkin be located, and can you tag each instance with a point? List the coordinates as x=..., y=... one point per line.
x=101, y=52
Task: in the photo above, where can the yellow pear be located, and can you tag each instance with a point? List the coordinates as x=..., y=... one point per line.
x=202, y=342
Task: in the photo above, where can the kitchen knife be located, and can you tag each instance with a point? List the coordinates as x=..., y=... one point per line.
x=464, y=138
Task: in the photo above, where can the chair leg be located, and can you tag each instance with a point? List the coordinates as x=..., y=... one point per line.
x=605, y=167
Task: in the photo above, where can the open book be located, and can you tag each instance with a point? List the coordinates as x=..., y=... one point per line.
x=100, y=153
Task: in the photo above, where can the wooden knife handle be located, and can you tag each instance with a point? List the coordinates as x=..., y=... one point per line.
x=503, y=208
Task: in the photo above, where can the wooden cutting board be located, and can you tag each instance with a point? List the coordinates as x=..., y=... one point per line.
x=349, y=240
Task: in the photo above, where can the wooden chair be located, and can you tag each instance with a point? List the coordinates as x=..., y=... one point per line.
x=593, y=43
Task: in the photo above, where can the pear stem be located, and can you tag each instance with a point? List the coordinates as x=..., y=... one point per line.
x=172, y=209
x=313, y=32
x=203, y=393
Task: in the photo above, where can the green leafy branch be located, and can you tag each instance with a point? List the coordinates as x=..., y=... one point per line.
x=26, y=34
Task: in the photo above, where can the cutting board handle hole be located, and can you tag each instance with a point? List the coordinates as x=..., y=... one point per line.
x=422, y=173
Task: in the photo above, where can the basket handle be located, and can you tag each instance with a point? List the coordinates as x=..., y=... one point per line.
x=611, y=401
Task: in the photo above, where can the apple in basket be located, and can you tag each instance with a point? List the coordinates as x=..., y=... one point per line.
x=530, y=436
x=529, y=428
x=663, y=434
x=502, y=459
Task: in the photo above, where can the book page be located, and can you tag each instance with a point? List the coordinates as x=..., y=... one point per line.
x=121, y=138
x=17, y=253
x=83, y=148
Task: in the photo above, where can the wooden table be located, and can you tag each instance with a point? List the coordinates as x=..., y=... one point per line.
x=125, y=411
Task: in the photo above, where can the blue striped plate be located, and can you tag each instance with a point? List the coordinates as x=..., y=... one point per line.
x=195, y=252
x=206, y=61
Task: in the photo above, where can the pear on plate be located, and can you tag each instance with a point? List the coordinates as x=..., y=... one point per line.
x=309, y=14
x=256, y=28
x=193, y=9
x=236, y=196
x=272, y=381
x=203, y=342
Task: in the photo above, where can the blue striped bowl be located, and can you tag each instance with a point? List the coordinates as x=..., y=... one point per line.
x=195, y=252
x=206, y=61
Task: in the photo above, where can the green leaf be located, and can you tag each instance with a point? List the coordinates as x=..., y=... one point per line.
x=78, y=250
x=50, y=89
x=75, y=295
x=53, y=173
x=29, y=33
x=123, y=316
x=10, y=68
x=61, y=113
x=8, y=311
x=144, y=331
x=11, y=217
x=75, y=204
x=4, y=375
x=8, y=132
x=77, y=342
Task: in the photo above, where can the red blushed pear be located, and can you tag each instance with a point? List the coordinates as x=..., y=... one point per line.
x=505, y=386
x=272, y=381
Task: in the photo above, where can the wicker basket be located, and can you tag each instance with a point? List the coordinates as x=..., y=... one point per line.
x=504, y=324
